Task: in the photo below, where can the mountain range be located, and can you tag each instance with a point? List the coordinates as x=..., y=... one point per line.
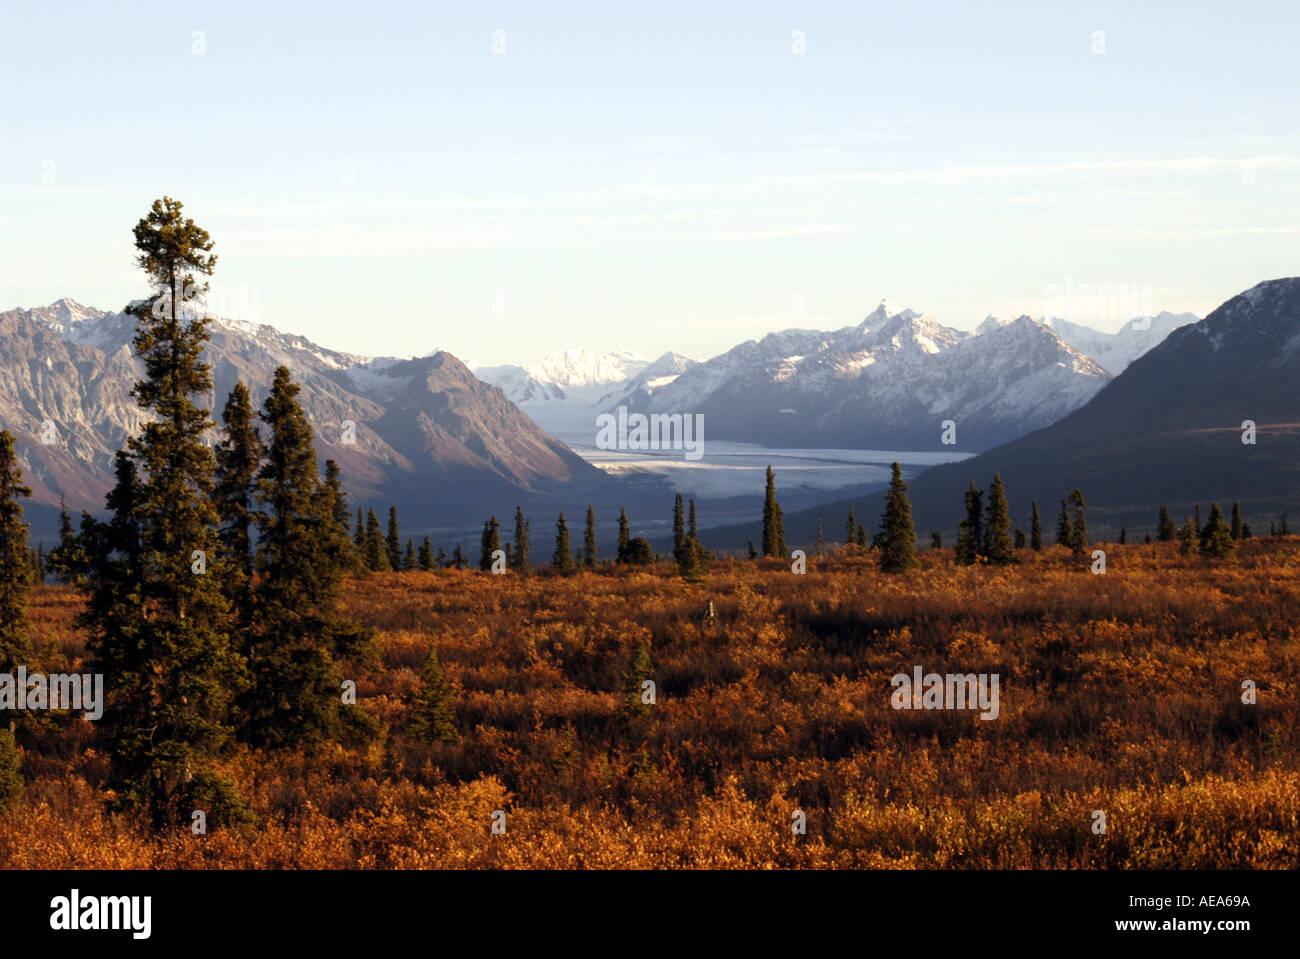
x=424, y=434
x=889, y=382
x=1210, y=413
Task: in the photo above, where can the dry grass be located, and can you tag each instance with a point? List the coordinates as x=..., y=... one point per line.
x=1119, y=692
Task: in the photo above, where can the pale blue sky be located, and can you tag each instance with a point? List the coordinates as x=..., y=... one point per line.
x=649, y=176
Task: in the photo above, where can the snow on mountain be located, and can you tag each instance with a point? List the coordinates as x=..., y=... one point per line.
x=566, y=375
x=1115, y=351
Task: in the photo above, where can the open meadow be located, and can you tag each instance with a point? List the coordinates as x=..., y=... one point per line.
x=1120, y=693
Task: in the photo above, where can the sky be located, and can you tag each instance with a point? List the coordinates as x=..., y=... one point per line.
x=502, y=180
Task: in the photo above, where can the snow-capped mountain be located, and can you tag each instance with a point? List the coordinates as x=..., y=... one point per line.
x=566, y=375
x=1115, y=351
x=426, y=435
x=889, y=382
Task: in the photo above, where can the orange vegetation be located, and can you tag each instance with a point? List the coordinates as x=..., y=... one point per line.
x=1119, y=692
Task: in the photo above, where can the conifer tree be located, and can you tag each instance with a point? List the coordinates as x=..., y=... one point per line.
x=359, y=538
x=851, y=529
x=376, y=552
x=970, y=531
x=1123, y=535
x=298, y=635
x=11, y=776
x=1063, y=530
x=1236, y=520
x=624, y=535
x=16, y=580
x=936, y=540
x=1216, y=538
x=1245, y=531
x=393, y=542
x=435, y=712
x=489, y=543
x=898, y=536
x=408, y=557
x=1035, y=529
x=997, y=526
x=239, y=455
x=679, y=531
x=335, y=504
x=820, y=543
x=1165, y=529
x=692, y=528
x=589, y=540
x=159, y=617
x=458, y=559
x=773, y=526
x=1078, y=522
x=67, y=561
x=631, y=706
x=523, y=540
x=1187, y=535
x=1020, y=538
x=860, y=537
x=563, y=556
x=441, y=559
x=424, y=559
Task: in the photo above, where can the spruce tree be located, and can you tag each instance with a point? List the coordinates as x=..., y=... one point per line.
x=375, y=551
x=1123, y=535
x=589, y=539
x=408, y=557
x=393, y=542
x=624, y=535
x=820, y=543
x=997, y=526
x=67, y=561
x=1187, y=535
x=563, y=556
x=898, y=536
x=158, y=616
x=1078, y=522
x=458, y=560
x=634, y=674
x=1035, y=529
x=1063, y=530
x=302, y=558
x=1236, y=520
x=16, y=579
x=970, y=531
x=850, y=529
x=1216, y=538
x=936, y=540
x=523, y=540
x=239, y=456
x=679, y=531
x=424, y=559
x=489, y=543
x=1020, y=538
x=335, y=504
x=435, y=712
x=359, y=538
x=1165, y=529
x=773, y=526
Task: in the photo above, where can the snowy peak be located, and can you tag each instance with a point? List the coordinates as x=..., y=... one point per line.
x=572, y=374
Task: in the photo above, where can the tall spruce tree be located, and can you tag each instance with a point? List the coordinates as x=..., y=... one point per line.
x=970, y=531
x=897, y=534
x=424, y=559
x=1064, y=532
x=375, y=551
x=997, y=526
x=1216, y=538
x=298, y=636
x=335, y=504
x=773, y=525
x=523, y=540
x=1165, y=528
x=489, y=543
x=589, y=557
x=624, y=535
x=239, y=456
x=408, y=557
x=16, y=580
x=850, y=529
x=1236, y=520
x=159, y=620
x=393, y=542
x=679, y=530
x=1078, y=522
x=67, y=561
x=562, y=559
x=1035, y=529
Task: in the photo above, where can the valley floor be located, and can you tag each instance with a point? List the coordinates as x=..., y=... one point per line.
x=1119, y=693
